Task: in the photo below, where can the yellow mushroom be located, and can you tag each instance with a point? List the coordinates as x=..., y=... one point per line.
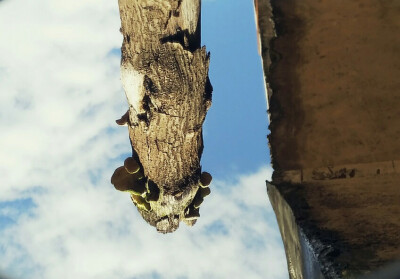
x=140, y=202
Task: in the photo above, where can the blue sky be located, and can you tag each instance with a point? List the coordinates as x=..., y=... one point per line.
x=60, y=93
x=236, y=126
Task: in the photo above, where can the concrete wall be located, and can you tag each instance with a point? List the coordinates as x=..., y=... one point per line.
x=333, y=81
x=337, y=80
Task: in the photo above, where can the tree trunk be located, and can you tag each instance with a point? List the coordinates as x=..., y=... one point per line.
x=164, y=72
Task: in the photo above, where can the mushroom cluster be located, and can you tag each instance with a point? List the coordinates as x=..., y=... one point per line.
x=124, y=120
x=130, y=178
x=192, y=212
x=145, y=193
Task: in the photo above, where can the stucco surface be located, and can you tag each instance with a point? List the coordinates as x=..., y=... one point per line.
x=336, y=82
x=333, y=81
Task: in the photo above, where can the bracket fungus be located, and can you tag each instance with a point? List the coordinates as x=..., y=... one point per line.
x=145, y=195
x=131, y=165
x=192, y=213
x=204, y=192
x=127, y=182
x=200, y=195
x=129, y=178
x=198, y=200
x=124, y=120
x=205, y=179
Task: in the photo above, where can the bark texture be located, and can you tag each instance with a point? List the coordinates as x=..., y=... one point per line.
x=164, y=72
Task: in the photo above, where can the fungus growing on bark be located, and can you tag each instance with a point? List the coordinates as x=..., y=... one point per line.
x=205, y=179
x=126, y=182
x=204, y=192
x=124, y=120
x=140, y=202
x=131, y=165
x=198, y=200
x=153, y=192
x=121, y=179
x=138, y=188
x=199, y=197
x=192, y=213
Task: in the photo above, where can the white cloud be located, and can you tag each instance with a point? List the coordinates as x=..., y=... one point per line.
x=81, y=230
x=59, y=88
x=59, y=95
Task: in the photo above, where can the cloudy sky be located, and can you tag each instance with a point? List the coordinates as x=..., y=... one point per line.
x=60, y=93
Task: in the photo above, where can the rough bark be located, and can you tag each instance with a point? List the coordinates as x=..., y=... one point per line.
x=164, y=72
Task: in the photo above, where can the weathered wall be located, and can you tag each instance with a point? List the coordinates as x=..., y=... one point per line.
x=337, y=83
x=333, y=80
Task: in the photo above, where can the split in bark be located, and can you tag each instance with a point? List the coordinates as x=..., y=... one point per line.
x=164, y=72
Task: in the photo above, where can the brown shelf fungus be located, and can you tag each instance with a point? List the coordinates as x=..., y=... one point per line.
x=126, y=182
x=124, y=120
x=198, y=200
x=204, y=192
x=121, y=179
x=192, y=213
x=205, y=179
x=138, y=188
x=131, y=165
